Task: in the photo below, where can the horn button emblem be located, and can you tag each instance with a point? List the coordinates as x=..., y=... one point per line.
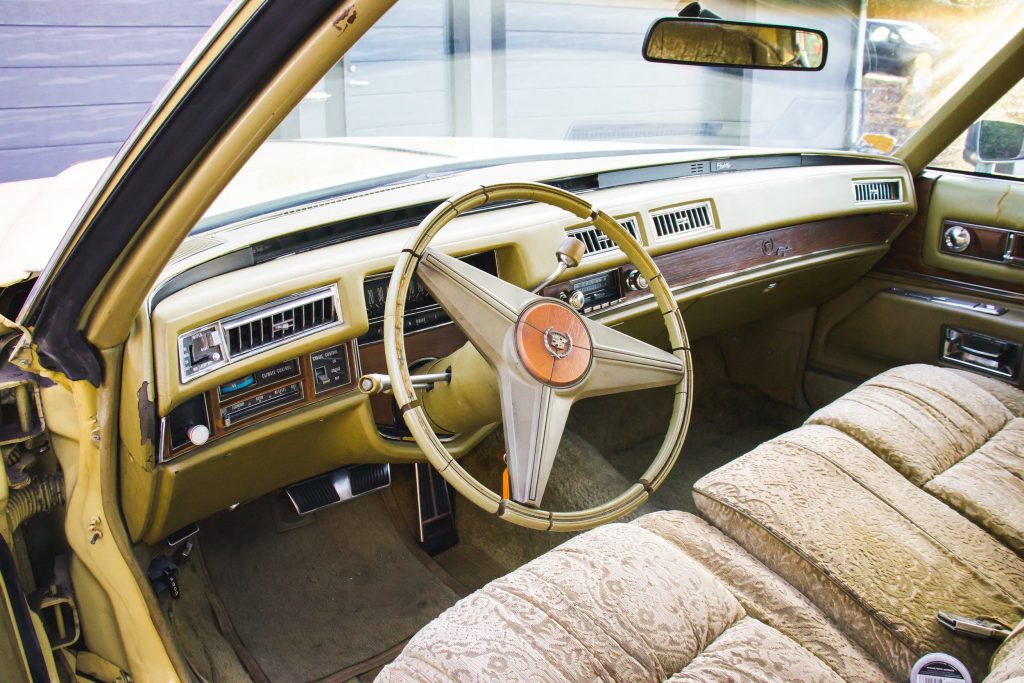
x=558, y=345
x=553, y=344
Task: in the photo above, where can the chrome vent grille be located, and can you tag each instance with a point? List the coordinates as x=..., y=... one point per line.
x=281, y=321
x=688, y=218
x=877, y=191
x=597, y=242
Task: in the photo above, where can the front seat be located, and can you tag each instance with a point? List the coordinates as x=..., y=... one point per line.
x=666, y=597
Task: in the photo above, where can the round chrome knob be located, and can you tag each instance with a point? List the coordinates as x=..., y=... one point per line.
x=636, y=281
x=198, y=434
x=957, y=238
x=577, y=299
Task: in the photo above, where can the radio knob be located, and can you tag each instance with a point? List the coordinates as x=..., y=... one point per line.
x=577, y=299
x=198, y=434
x=636, y=281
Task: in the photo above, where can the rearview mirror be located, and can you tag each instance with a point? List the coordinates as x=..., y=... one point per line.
x=713, y=42
x=994, y=142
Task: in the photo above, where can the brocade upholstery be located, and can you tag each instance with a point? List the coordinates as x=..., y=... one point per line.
x=956, y=434
x=1008, y=661
x=623, y=603
x=878, y=555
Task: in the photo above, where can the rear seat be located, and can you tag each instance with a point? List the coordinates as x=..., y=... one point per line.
x=957, y=435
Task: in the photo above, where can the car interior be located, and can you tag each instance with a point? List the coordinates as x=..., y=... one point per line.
x=643, y=413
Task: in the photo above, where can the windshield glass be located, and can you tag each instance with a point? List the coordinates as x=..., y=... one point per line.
x=442, y=85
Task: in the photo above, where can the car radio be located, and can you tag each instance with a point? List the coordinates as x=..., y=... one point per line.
x=593, y=292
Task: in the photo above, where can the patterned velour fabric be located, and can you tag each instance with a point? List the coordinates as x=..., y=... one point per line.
x=1008, y=661
x=877, y=554
x=619, y=603
x=955, y=434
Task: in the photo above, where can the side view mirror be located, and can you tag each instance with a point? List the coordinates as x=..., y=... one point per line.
x=990, y=141
x=714, y=42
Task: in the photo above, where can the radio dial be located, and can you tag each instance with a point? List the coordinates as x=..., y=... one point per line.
x=577, y=299
x=636, y=281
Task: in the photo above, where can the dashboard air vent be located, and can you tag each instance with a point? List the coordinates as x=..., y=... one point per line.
x=280, y=321
x=597, y=242
x=220, y=343
x=680, y=219
x=865, y=191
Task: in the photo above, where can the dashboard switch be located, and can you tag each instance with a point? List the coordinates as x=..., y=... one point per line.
x=198, y=434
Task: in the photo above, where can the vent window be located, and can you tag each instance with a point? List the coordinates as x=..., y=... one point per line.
x=682, y=219
x=597, y=242
x=281, y=321
x=877, y=191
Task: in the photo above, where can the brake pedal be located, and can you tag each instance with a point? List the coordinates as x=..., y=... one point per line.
x=436, y=510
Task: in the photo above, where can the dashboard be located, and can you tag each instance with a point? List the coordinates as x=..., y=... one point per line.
x=256, y=336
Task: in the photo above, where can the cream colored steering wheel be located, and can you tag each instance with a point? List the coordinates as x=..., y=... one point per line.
x=546, y=357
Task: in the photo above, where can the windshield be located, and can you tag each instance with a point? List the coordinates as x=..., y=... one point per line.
x=442, y=85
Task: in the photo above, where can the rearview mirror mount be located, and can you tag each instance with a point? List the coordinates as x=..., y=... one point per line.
x=716, y=42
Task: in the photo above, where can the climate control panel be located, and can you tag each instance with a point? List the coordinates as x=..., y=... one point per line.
x=270, y=391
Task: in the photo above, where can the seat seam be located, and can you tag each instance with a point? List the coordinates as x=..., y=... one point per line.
x=675, y=548
x=747, y=615
x=541, y=608
x=951, y=398
x=944, y=424
x=801, y=554
x=892, y=506
x=974, y=452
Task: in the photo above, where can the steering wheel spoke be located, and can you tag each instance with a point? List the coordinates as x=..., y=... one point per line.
x=622, y=363
x=484, y=306
x=546, y=357
x=534, y=416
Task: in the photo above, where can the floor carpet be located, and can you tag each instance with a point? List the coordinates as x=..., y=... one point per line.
x=320, y=598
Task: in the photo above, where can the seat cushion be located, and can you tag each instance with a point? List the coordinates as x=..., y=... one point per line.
x=623, y=602
x=955, y=434
x=1008, y=661
x=877, y=554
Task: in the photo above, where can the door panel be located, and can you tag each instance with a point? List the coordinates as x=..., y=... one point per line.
x=977, y=200
x=926, y=304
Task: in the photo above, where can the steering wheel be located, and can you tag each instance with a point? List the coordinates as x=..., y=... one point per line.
x=546, y=356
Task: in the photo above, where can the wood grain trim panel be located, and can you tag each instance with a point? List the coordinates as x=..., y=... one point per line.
x=696, y=264
x=906, y=257
x=304, y=377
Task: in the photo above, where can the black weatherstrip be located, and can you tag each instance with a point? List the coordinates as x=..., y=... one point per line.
x=22, y=618
x=254, y=55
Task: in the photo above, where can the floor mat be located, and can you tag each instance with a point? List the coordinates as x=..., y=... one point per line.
x=321, y=599
x=728, y=420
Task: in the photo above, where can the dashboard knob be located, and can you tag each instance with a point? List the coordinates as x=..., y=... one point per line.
x=636, y=281
x=957, y=238
x=577, y=299
x=198, y=434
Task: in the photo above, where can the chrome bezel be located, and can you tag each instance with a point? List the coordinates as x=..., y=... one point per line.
x=238, y=319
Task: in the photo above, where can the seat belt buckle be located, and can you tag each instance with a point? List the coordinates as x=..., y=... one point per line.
x=973, y=627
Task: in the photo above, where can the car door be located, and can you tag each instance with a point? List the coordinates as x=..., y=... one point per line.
x=951, y=289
